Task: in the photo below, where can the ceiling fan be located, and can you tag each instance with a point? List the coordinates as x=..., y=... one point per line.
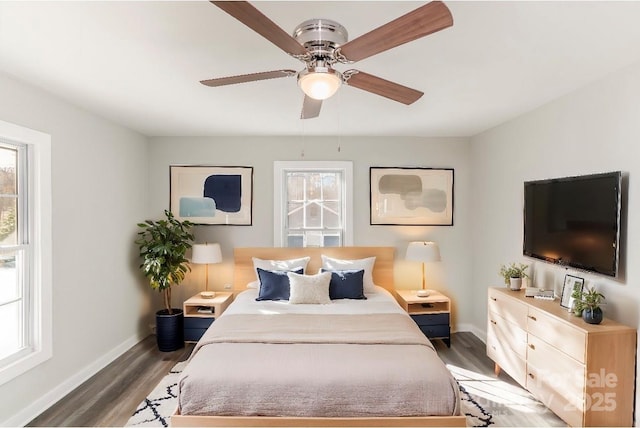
x=321, y=43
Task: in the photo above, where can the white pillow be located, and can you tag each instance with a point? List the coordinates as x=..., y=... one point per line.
x=279, y=265
x=329, y=263
x=309, y=289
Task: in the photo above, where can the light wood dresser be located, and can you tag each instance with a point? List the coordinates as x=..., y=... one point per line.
x=584, y=373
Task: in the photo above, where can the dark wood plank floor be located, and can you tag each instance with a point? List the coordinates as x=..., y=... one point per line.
x=111, y=396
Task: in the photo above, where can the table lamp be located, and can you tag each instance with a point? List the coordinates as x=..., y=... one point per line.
x=421, y=251
x=206, y=254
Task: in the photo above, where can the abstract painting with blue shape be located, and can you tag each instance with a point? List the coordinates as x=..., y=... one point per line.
x=225, y=190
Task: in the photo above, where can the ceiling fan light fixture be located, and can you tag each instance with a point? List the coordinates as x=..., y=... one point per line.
x=319, y=83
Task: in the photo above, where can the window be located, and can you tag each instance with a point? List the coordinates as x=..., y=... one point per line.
x=25, y=249
x=313, y=204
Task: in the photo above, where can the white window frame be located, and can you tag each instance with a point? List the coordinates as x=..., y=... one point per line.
x=39, y=215
x=279, y=194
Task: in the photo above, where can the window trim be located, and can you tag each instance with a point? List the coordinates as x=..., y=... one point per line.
x=39, y=216
x=279, y=168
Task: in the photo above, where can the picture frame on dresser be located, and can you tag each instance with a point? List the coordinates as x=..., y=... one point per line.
x=212, y=195
x=411, y=196
x=571, y=284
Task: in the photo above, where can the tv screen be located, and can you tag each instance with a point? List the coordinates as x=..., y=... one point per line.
x=574, y=221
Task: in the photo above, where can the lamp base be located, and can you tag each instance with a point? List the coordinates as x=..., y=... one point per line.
x=423, y=293
x=207, y=294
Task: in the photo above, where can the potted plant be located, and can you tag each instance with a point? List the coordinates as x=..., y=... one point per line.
x=163, y=245
x=591, y=301
x=513, y=275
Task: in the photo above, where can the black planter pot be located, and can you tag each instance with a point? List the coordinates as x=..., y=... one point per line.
x=170, y=330
x=592, y=316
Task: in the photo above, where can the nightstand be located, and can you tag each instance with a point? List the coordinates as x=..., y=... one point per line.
x=431, y=313
x=199, y=313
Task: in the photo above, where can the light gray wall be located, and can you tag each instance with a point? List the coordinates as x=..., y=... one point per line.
x=99, y=182
x=451, y=276
x=595, y=129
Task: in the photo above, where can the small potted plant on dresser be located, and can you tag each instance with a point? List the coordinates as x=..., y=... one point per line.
x=513, y=275
x=591, y=301
x=163, y=245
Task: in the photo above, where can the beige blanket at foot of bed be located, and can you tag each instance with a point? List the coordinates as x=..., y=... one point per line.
x=316, y=366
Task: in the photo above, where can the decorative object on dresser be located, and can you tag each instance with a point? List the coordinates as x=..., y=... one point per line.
x=411, y=196
x=571, y=290
x=212, y=194
x=163, y=245
x=206, y=254
x=423, y=252
x=432, y=314
x=513, y=275
x=591, y=301
x=582, y=372
x=200, y=312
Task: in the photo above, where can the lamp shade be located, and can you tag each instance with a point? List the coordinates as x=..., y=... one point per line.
x=422, y=251
x=206, y=253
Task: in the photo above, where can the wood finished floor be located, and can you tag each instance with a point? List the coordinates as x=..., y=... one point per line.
x=111, y=396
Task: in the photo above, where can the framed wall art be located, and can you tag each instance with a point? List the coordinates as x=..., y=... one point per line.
x=571, y=284
x=212, y=194
x=411, y=196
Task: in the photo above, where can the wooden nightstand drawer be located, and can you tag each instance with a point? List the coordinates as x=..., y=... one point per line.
x=431, y=319
x=202, y=323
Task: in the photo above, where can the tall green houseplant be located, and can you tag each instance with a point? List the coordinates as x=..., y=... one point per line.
x=163, y=245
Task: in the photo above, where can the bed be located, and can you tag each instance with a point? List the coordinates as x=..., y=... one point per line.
x=350, y=362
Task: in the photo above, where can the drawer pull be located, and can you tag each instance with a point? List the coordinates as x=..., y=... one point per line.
x=493, y=322
x=532, y=318
x=532, y=346
x=531, y=376
x=494, y=299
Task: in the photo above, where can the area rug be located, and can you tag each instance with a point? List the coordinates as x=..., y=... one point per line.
x=157, y=408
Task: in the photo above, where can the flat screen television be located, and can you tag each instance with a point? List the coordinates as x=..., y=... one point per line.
x=574, y=221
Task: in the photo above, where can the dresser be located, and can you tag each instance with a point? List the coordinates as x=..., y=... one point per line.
x=584, y=373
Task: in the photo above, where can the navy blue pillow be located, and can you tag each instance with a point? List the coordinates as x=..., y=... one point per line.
x=274, y=285
x=346, y=284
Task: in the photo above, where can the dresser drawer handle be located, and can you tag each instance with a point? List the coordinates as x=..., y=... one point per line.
x=532, y=318
x=531, y=376
x=532, y=346
x=493, y=322
x=494, y=299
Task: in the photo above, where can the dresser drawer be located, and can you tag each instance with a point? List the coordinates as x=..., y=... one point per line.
x=195, y=322
x=508, y=334
x=508, y=308
x=561, y=374
x=543, y=387
x=431, y=319
x=509, y=361
x=558, y=334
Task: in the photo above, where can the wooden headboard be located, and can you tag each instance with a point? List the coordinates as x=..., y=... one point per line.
x=243, y=272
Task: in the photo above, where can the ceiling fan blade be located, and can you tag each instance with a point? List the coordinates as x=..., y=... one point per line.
x=385, y=88
x=232, y=80
x=425, y=20
x=310, y=108
x=254, y=19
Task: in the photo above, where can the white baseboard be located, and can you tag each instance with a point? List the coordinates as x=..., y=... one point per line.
x=27, y=414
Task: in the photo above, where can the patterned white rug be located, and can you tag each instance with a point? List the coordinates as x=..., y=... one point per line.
x=160, y=404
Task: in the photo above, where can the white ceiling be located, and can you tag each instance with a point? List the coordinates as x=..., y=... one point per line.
x=139, y=63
